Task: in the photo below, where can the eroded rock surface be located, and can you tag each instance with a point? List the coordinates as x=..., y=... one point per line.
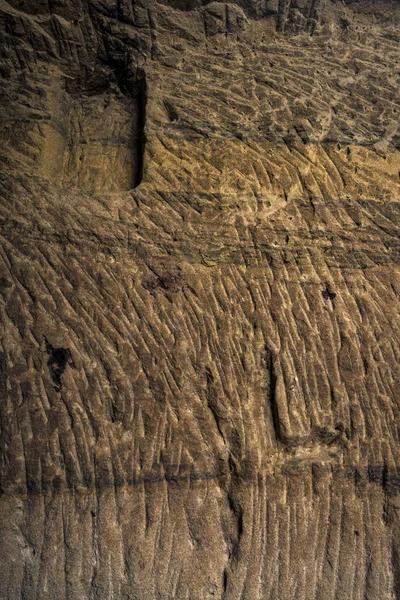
x=200, y=294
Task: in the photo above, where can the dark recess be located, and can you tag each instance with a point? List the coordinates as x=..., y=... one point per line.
x=141, y=103
x=133, y=84
x=59, y=359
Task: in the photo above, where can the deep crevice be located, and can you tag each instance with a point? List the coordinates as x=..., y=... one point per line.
x=272, y=397
x=141, y=124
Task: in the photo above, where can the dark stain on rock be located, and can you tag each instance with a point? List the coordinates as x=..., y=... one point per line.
x=328, y=295
x=5, y=283
x=59, y=359
x=167, y=279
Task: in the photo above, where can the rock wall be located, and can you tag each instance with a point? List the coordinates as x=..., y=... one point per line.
x=199, y=297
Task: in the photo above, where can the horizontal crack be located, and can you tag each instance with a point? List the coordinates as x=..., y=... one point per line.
x=377, y=474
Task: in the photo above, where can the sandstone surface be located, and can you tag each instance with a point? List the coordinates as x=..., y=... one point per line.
x=199, y=299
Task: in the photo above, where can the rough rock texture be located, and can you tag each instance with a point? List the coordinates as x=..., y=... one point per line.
x=199, y=296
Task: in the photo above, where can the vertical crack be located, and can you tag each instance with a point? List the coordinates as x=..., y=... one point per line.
x=141, y=124
x=282, y=15
x=272, y=398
